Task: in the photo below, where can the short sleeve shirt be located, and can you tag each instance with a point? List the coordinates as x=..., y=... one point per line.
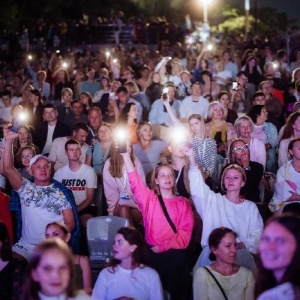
x=40, y=205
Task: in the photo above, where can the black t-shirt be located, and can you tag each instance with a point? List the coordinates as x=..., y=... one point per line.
x=181, y=190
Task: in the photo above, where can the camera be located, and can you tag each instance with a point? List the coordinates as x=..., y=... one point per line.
x=165, y=94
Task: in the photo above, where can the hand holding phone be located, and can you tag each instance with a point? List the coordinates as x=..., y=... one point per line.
x=165, y=94
x=234, y=86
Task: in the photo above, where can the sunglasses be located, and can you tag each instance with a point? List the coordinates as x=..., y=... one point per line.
x=240, y=149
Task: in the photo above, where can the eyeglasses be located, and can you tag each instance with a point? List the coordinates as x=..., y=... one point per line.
x=240, y=149
x=27, y=155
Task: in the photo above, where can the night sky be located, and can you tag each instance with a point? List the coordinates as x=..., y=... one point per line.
x=290, y=7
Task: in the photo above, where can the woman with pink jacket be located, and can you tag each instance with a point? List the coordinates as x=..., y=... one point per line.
x=168, y=222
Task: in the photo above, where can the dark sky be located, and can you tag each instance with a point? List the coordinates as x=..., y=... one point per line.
x=290, y=7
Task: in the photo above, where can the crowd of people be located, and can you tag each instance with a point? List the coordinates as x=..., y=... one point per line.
x=197, y=149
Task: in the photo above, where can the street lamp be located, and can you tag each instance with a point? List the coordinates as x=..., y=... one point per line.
x=247, y=11
x=205, y=4
x=205, y=32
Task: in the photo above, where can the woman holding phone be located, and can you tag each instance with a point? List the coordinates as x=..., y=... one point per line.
x=168, y=222
x=230, y=210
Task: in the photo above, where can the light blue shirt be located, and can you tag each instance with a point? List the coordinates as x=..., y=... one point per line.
x=159, y=116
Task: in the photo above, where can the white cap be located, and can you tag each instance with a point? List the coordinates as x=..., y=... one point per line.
x=36, y=158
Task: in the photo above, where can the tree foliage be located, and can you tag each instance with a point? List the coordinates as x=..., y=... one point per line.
x=263, y=20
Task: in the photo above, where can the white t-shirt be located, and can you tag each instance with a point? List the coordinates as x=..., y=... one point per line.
x=189, y=107
x=48, y=144
x=140, y=283
x=78, y=182
x=40, y=205
x=216, y=211
x=283, y=291
x=224, y=75
x=5, y=114
x=58, y=155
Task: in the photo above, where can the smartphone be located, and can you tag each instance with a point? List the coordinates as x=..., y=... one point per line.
x=165, y=94
x=15, y=127
x=235, y=86
x=122, y=146
x=112, y=95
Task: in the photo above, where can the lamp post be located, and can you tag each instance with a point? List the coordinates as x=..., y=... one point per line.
x=247, y=12
x=205, y=31
x=205, y=15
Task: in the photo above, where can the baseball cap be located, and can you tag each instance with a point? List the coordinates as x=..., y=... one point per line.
x=36, y=158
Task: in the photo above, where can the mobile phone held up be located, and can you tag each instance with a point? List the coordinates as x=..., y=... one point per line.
x=165, y=94
x=235, y=86
x=121, y=138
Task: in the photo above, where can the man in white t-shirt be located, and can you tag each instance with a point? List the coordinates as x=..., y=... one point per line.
x=81, y=179
x=5, y=111
x=57, y=153
x=194, y=104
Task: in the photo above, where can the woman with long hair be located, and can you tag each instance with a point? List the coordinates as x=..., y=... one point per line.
x=24, y=139
x=155, y=88
x=279, y=263
x=291, y=130
x=168, y=222
x=253, y=70
x=221, y=131
x=226, y=99
x=287, y=186
x=87, y=101
x=26, y=154
x=135, y=93
x=218, y=210
x=210, y=89
x=128, y=119
x=81, y=265
x=237, y=283
x=62, y=80
x=147, y=150
x=265, y=132
x=205, y=149
x=120, y=200
x=50, y=273
x=126, y=276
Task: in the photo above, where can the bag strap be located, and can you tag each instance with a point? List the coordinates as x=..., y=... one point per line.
x=217, y=282
x=161, y=201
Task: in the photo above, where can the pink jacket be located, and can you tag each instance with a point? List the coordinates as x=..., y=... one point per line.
x=113, y=187
x=157, y=229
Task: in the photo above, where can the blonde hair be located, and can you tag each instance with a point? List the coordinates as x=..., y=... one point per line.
x=140, y=126
x=211, y=107
x=235, y=167
x=131, y=87
x=154, y=185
